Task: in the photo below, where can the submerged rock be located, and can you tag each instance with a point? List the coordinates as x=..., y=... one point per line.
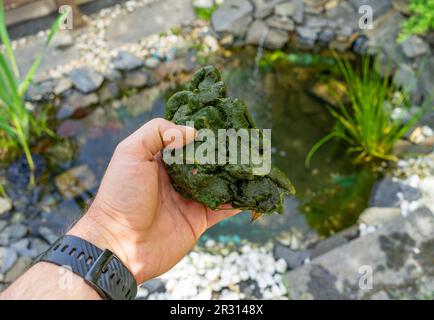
x=206, y=104
x=75, y=181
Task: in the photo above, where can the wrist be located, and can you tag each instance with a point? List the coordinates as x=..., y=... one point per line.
x=101, y=232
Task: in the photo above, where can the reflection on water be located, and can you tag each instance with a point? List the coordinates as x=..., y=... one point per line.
x=331, y=193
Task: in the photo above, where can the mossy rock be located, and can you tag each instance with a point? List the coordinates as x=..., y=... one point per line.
x=205, y=102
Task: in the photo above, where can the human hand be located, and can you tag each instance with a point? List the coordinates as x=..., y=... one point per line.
x=137, y=214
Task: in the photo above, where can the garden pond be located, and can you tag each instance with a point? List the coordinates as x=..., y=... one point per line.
x=331, y=192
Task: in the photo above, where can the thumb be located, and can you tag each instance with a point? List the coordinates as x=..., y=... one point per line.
x=156, y=134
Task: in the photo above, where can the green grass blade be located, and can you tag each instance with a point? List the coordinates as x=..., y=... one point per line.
x=4, y=37
x=31, y=73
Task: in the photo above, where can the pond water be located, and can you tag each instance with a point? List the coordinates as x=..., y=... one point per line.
x=331, y=193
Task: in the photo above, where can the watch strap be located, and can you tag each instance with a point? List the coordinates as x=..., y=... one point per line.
x=101, y=269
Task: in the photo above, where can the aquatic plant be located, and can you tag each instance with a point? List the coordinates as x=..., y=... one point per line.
x=366, y=124
x=299, y=59
x=18, y=123
x=205, y=13
x=421, y=21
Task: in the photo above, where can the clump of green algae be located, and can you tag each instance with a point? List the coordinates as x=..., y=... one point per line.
x=206, y=104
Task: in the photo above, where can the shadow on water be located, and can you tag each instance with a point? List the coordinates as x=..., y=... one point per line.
x=331, y=193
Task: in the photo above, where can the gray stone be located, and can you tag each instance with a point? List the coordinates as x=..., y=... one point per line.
x=47, y=234
x=328, y=244
x=414, y=46
x=402, y=6
x=409, y=193
x=109, y=91
x=20, y=245
x=390, y=253
x=233, y=17
x=384, y=194
x=154, y=18
x=15, y=231
x=75, y=102
x=22, y=248
x=379, y=8
x=291, y=9
x=152, y=62
x=384, y=38
x=315, y=22
x=18, y=269
x=264, y=8
x=316, y=3
x=203, y=4
x=113, y=75
x=276, y=39
x=39, y=245
x=5, y=205
x=405, y=77
x=154, y=285
x=75, y=181
x=9, y=258
x=136, y=79
x=62, y=85
x=86, y=79
x=125, y=61
x=307, y=34
x=279, y=22
x=326, y=35
x=40, y=90
x=375, y=216
x=63, y=40
x=260, y=34
x=426, y=81
x=344, y=15
x=293, y=258
x=3, y=224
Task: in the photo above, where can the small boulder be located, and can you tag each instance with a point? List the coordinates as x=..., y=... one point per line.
x=293, y=258
x=414, y=46
x=75, y=181
x=5, y=205
x=86, y=79
x=292, y=9
x=260, y=34
x=125, y=61
x=233, y=17
x=264, y=8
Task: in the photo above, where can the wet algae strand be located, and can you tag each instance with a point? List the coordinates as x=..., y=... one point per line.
x=205, y=103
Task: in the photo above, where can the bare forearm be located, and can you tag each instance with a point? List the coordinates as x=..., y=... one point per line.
x=46, y=281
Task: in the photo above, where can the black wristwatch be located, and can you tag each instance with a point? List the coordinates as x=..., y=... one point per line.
x=101, y=269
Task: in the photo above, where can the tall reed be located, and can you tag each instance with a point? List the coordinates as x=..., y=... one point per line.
x=18, y=124
x=366, y=124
